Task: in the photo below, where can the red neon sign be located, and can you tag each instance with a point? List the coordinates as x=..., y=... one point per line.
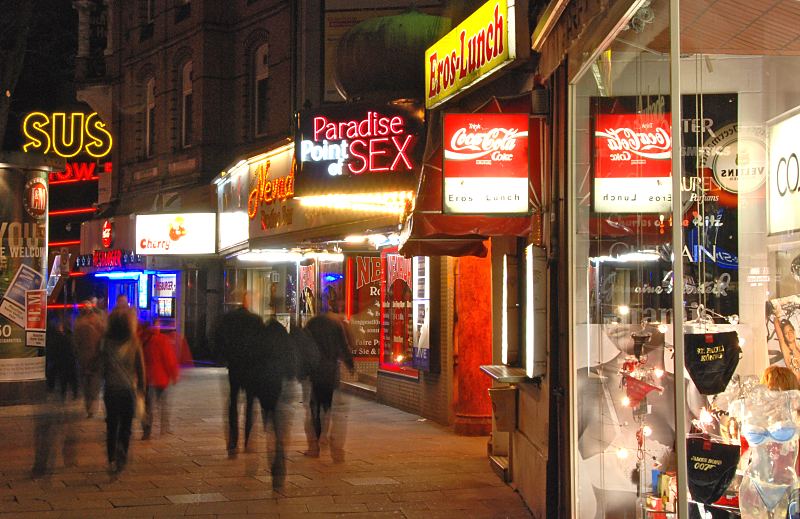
x=374, y=144
x=266, y=190
x=66, y=212
x=107, y=234
x=107, y=258
x=79, y=172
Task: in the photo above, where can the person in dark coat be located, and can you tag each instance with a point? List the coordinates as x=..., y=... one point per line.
x=332, y=338
x=271, y=365
x=306, y=360
x=61, y=364
x=236, y=338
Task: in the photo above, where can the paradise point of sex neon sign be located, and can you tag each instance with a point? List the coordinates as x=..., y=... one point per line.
x=66, y=135
x=377, y=143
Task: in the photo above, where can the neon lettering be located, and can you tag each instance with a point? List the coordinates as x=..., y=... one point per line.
x=66, y=135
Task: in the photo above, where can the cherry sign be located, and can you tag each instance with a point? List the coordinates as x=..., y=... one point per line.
x=486, y=163
x=357, y=148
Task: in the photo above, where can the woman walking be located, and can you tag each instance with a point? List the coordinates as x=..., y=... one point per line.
x=123, y=371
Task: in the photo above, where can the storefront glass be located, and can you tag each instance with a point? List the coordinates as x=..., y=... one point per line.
x=622, y=306
x=740, y=261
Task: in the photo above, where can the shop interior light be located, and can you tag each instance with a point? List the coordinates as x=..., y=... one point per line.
x=324, y=256
x=128, y=274
x=386, y=203
x=623, y=310
x=270, y=256
x=630, y=257
x=355, y=238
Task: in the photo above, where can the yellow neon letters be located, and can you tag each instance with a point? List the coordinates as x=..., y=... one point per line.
x=66, y=135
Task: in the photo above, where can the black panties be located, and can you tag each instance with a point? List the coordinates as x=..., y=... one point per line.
x=711, y=468
x=711, y=359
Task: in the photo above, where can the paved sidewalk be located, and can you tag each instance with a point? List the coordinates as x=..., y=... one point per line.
x=397, y=465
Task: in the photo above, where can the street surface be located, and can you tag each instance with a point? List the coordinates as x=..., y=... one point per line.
x=397, y=465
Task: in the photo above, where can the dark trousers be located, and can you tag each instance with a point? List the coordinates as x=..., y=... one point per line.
x=155, y=397
x=269, y=393
x=236, y=382
x=119, y=417
x=321, y=402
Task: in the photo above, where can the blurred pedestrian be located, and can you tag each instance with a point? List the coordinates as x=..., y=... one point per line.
x=89, y=329
x=305, y=355
x=161, y=370
x=331, y=336
x=236, y=337
x=124, y=375
x=54, y=424
x=270, y=367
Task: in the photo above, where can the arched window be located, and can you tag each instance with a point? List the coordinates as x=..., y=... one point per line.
x=150, y=117
x=260, y=89
x=186, y=104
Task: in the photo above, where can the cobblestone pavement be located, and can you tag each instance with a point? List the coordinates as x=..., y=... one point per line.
x=397, y=465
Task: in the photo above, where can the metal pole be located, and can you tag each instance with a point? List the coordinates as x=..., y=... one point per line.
x=677, y=261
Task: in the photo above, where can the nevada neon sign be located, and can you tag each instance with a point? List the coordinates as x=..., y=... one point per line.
x=375, y=144
x=66, y=135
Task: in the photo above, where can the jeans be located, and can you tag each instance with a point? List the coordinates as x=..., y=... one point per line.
x=155, y=395
x=119, y=417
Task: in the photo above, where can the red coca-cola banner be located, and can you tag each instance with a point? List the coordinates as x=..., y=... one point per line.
x=486, y=163
x=632, y=163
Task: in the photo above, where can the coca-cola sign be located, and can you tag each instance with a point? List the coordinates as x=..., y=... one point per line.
x=486, y=163
x=632, y=163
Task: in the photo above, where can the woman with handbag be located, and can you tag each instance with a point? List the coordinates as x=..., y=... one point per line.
x=123, y=371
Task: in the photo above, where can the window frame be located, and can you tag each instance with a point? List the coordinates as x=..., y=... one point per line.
x=149, y=117
x=187, y=104
x=260, y=75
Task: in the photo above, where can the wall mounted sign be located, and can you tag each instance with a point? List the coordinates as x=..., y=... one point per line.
x=632, y=163
x=783, y=179
x=66, y=135
x=108, y=258
x=479, y=46
x=358, y=148
x=485, y=163
x=176, y=234
x=107, y=234
x=363, y=303
x=35, y=198
x=81, y=171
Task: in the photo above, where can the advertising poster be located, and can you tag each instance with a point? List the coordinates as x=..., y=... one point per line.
x=365, y=304
x=306, y=289
x=397, y=341
x=23, y=257
x=421, y=315
x=784, y=173
x=486, y=163
x=783, y=321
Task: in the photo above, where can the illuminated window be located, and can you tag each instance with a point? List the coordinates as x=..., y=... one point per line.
x=261, y=89
x=149, y=117
x=397, y=351
x=186, y=105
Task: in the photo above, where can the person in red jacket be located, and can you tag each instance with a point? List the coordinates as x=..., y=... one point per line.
x=161, y=368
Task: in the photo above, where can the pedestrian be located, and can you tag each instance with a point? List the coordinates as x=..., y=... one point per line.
x=54, y=423
x=270, y=367
x=124, y=375
x=332, y=338
x=161, y=370
x=89, y=329
x=236, y=337
x=305, y=355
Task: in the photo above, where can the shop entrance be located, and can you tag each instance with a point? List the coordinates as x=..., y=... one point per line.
x=122, y=287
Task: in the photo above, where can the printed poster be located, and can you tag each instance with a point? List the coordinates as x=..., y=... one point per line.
x=365, y=310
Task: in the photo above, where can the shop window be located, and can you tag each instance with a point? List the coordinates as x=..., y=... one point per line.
x=397, y=314
x=183, y=9
x=260, y=90
x=186, y=104
x=150, y=118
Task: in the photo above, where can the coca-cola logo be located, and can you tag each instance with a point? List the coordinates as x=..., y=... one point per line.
x=475, y=143
x=647, y=142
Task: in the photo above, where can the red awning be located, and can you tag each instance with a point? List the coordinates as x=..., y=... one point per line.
x=427, y=231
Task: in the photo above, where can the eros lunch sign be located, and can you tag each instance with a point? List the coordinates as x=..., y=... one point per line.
x=486, y=163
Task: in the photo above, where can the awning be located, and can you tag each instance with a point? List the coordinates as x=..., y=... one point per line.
x=427, y=231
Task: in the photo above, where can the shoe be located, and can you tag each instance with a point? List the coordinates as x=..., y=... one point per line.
x=232, y=454
x=145, y=436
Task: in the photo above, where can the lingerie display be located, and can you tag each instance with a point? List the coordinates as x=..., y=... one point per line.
x=711, y=359
x=711, y=467
x=769, y=425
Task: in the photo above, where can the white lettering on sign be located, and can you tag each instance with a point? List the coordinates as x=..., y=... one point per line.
x=470, y=145
x=656, y=144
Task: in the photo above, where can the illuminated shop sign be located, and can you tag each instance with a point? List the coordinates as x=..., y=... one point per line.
x=165, y=285
x=479, y=46
x=108, y=258
x=357, y=148
x=486, y=163
x=632, y=163
x=80, y=172
x=783, y=180
x=175, y=234
x=66, y=134
x=107, y=234
x=266, y=189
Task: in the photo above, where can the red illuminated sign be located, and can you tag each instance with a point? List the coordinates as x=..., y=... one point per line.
x=80, y=172
x=486, y=163
x=632, y=163
x=266, y=190
x=35, y=197
x=340, y=147
x=107, y=234
x=107, y=258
